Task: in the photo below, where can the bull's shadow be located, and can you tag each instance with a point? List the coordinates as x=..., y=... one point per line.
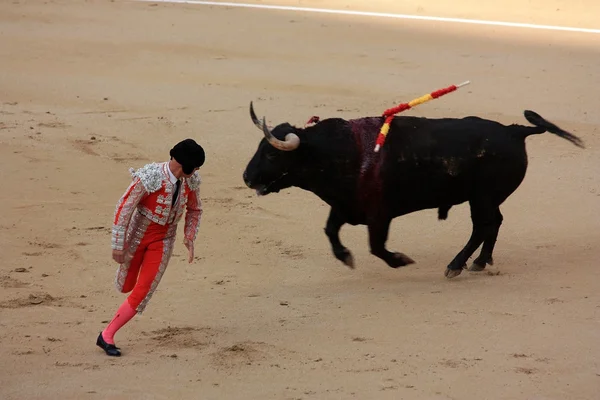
x=424, y=164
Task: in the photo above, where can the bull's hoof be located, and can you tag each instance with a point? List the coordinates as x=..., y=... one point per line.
x=345, y=257
x=476, y=267
x=400, y=260
x=349, y=260
x=452, y=273
x=480, y=262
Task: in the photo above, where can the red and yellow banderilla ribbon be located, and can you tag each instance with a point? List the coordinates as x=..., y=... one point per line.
x=390, y=113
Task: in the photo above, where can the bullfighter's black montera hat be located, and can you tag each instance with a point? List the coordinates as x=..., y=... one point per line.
x=189, y=154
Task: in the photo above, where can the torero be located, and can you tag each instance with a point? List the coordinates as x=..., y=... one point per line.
x=145, y=226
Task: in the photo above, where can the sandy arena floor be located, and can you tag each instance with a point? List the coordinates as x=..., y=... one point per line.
x=91, y=88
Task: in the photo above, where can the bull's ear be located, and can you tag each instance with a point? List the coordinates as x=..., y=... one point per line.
x=291, y=142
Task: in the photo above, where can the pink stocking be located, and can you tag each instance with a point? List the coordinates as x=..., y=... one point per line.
x=123, y=315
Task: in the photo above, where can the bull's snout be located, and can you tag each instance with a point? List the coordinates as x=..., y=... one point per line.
x=246, y=180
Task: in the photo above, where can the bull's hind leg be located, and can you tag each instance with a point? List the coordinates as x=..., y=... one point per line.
x=332, y=230
x=378, y=234
x=483, y=217
x=485, y=257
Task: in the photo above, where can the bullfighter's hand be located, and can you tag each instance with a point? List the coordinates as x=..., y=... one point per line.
x=119, y=256
x=190, y=246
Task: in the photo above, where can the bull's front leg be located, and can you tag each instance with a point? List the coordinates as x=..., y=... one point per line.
x=332, y=230
x=378, y=234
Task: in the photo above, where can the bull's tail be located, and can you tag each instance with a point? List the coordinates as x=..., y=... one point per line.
x=541, y=126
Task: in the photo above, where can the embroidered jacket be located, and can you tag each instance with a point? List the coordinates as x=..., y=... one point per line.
x=150, y=194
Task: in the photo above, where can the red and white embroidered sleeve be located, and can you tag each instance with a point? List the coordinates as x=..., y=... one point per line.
x=193, y=214
x=123, y=212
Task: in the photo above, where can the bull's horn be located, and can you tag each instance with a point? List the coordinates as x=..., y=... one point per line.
x=292, y=141
x=254, y=119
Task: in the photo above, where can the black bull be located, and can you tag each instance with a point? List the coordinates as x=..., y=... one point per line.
x=424, y=164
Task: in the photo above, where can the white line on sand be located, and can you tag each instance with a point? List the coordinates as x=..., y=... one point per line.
x=378, y=14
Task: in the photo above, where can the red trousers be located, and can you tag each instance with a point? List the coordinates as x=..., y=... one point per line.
x=147, y=258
